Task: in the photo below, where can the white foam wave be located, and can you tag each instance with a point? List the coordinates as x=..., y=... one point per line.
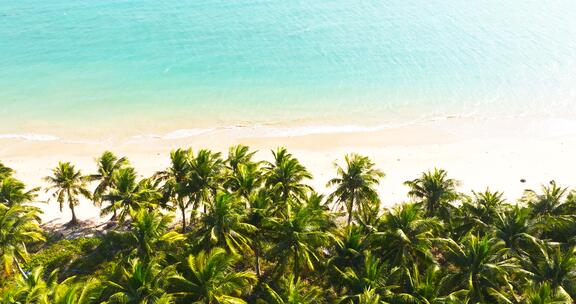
x=30, y=137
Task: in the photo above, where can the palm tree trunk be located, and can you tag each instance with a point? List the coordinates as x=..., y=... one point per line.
x=257, y=255
x=183, y=210
x=74, y=219
x=24, y=275
x=350, y=211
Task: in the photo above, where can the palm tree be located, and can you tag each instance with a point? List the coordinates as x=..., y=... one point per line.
x=551, y=209
x=13, y=192
x=292, y=290
x=481, y=266
x=297, y=240
x=245, y=179
x=149, y=230
x=68, y=185
x=355, y=184
x=548, y=263
x=127, y=195
x=224, y=225
x=480, y=211
x=258, y=211
x=239, y=155
x=543, y=294
x=371, y=274
x=514, y=227
x=430, y=287
x=210, y=278
x=140, y=283
x=206, y=168
x=177, y=180
x=34, y=289
x=434, y=189
x=108, y=163
x=18, y=226
x=405, y=236
x=285, y=177
x=5, y=171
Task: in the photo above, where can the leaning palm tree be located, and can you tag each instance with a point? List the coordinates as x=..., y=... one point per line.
x=13, y=192
x=108, y=163
x=140, y=283
x=434, y=190
x=293, y=290
x=18, y=226
x=285, y=176
x=355, y=184
x=68, y=185
x=210, y=278
x=225, y=225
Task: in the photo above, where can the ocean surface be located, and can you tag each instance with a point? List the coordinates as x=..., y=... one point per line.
x=112, y=65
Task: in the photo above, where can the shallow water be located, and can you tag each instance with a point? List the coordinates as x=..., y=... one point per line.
x=210, y=63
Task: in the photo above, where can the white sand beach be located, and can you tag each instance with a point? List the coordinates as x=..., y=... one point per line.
x=480, y=153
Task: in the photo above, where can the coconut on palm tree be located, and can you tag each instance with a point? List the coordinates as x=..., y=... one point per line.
x=356, y=184
x=68, y=185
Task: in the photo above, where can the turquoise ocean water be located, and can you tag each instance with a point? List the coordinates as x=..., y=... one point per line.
x=203, y=63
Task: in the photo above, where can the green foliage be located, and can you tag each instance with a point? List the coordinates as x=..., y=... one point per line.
x=256, y=232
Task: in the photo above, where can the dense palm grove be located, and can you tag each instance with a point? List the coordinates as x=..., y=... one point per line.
x=249, y=231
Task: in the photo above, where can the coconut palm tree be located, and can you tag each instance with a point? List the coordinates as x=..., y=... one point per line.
x=478, y=212
x=206, y=178
x=482, y=266
x=431, y=287
x=245, y=179
x=372, y=274
x=434, y=190
x=177, y=179
x=293, y=290
x=210, y=278
x=239, y=155
x=149, y=229
x=549, y=263
x=356, y=184
x=285, y=176
x=258, y=212
x=13, y=192
x=108, y=163
x=297, y=240
x=18, y=226
x=543, y=294
x=34, y=289
x=68, y=185
x=225, y=226
x=140, y=283
x=5, y=171
x=515, y=227
x=551, y=209
x=127, y=195
x=405, y=236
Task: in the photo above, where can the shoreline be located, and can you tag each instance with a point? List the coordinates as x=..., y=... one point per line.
x=495, y=154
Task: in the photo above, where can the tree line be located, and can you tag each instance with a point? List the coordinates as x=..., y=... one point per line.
x=251, y=231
